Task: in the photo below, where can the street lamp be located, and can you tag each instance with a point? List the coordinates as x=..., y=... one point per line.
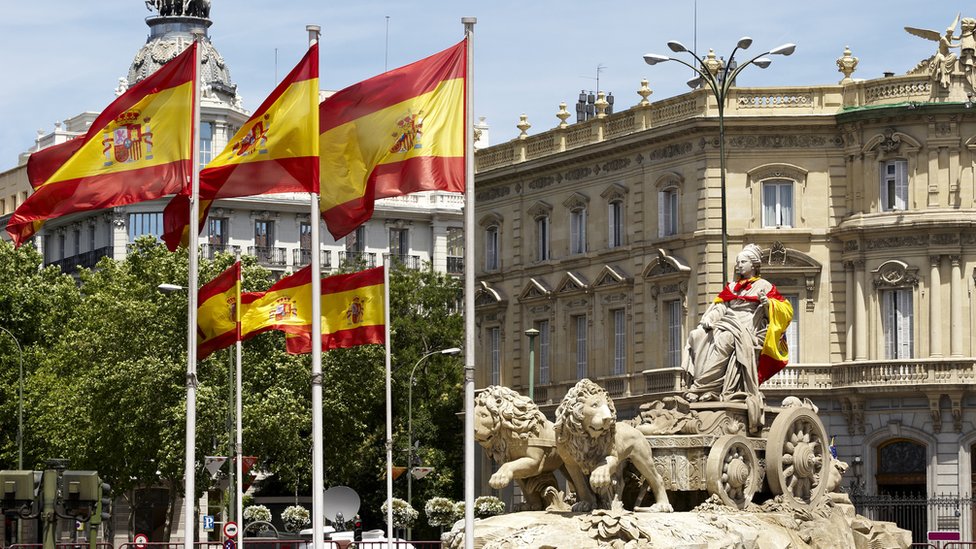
x=169, y=288
x=532, y=332
x=20, y=413
x=450, y=352
x=719, y=76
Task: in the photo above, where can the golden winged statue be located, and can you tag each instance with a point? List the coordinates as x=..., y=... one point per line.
x=941, y=66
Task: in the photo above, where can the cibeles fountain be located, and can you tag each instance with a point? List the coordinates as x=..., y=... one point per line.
x=714, y=467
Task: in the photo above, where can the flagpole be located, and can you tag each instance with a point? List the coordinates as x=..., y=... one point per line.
x=389, y=406
x=318, y=458
x=189, y=470
x=239, y=443
x=469, y=350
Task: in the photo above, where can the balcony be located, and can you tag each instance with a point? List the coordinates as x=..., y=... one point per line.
x=303, y=256
x=268, y=256
x=403, y=260
x=455, y=265
x=84, y=260
x=357, y=260
x=209, y=251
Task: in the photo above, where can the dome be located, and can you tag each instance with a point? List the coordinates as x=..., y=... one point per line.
x=169, y=35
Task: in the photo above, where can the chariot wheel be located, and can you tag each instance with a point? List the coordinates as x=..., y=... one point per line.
x=732, y=471
x=797, y=457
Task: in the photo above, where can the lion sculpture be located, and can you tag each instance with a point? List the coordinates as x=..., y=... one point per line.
x=516, y=434
x=592, y=444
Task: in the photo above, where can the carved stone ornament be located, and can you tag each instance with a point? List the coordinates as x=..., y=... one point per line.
x=891, y=142
x=895, y=273
x=846, y=65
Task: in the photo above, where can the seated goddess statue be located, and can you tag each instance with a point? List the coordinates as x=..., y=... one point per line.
x=740, y=341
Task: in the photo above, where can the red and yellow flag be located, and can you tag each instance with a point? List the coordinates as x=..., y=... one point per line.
x=352, y=313
x=217, y=312
x=275, y=151
x=394, y=134
x=774, y=354
x=285, y=306
x=139, y=148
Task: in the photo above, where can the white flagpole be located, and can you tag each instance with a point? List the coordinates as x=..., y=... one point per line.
x=189, y=469
x=469, y=350
x=318, y=458
x=239, y=443
x=389, y=405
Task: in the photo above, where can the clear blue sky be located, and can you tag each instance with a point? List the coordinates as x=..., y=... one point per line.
x=62, y=57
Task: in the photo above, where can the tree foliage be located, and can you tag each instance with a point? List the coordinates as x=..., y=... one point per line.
x=105, y=381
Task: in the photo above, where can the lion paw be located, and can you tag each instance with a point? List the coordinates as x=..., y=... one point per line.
x=661, y=508
x=582, y=507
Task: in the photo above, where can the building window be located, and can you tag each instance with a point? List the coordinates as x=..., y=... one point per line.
x=140, y=224
x=48, y=248
x=777, y=198
x=356, y=240
x=264, y=233
x=619, y=321
x=217, y=231
x=672, y=310
x=793, y=330
x=615, y=213
x=894, y=185
x=399, y=243
x=577, y=231
x=455, y=250
x=76, y=238
x=494, y=348
x=542, y=238
x=491, y=248
x=91, y=237
x=206, y=143
x=305, y=236
x=579, y=325
x=897, y=322
x=667, y=212
x=543, y=327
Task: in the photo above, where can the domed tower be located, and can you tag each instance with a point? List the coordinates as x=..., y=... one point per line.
x=173, y=27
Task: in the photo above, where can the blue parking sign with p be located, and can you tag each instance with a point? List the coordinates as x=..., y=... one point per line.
x=208, y=522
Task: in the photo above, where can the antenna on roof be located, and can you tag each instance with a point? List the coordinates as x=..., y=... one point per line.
x=386, y=54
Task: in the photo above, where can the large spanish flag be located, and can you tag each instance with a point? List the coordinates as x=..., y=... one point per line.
x=352, y=313
x=396, y=133
x=137, y=149
x=275, y=151
x=217, y=312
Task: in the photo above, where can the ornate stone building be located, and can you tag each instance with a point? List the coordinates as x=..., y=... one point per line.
x=606, y=237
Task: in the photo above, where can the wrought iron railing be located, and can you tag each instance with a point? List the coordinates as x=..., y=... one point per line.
x=84, y=260
x=357, y=260
x=303, y=256
x=210, y=250
x=455, y=265
x=916, y=512
x=403, y=260
x=271, y=256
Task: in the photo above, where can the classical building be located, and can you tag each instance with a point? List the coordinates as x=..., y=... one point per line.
x=605, y=236
x=416, y=230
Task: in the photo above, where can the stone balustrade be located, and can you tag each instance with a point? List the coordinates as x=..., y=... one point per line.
x=789, y=101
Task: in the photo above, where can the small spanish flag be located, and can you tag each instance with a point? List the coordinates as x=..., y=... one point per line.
x=217, y=320
x=397, y=133
x=352, y=313
x=285, y=306
x=137, y=149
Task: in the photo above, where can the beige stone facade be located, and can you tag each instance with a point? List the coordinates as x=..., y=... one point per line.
x=606, y=236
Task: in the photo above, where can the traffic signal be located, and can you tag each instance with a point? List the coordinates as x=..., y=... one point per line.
x=17, y=488
x=103, y=510
x=81, y=491
x=357, y=529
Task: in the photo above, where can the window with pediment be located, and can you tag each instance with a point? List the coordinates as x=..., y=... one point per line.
x=777, y=203
x=668, y=198
x=894, y=185
x=615, y=196
x=541, y=213
x=577, y=204
x=895, y=282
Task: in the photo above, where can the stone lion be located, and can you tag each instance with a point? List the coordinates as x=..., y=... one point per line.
x=592, y=444
x=518, y=436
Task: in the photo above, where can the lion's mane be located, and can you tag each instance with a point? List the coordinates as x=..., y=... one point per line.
x=586, y=451
x=515, y=417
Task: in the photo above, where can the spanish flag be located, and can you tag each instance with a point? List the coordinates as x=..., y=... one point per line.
x=285, y=306
x=137, y=149
x=217, y=321
x=275, y=151
x=394, y=134
x=774, y=354
x=352, y=313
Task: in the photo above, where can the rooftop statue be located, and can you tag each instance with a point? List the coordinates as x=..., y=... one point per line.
x=187, y=8
x=739, y=342
x=944, y=62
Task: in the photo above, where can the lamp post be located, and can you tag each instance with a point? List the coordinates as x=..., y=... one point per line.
x=719, y=77
x=450, y=352
x=20, y=414
x=532, y=332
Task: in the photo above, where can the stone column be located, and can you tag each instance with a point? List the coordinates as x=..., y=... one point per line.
x=955, y=307
x=935, y=307
x=860, y=312
x=849, y=315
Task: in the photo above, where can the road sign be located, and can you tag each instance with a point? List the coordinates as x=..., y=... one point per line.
x=208, y=523
x=229, y=544
x=230, y=531
x=140, y=541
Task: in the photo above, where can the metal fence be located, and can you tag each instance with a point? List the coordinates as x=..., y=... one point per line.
x=918, y=513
